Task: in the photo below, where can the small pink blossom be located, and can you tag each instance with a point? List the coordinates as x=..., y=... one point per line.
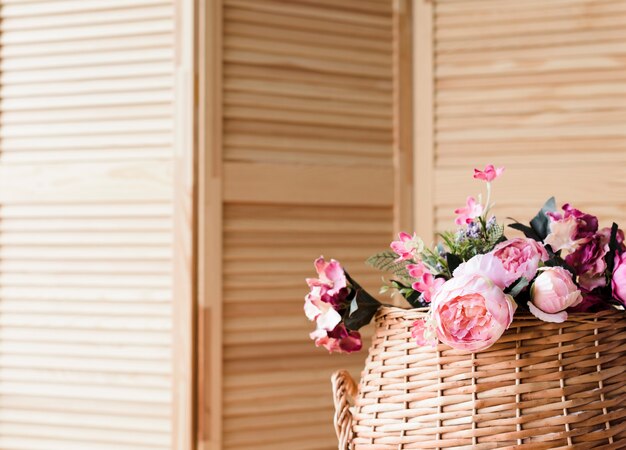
x=471, y=211
x=552, y=293
x=407, y=247
x=428, y=285
x=520, y=257
x=416, y=270
x=489, y=174
x=471, y=312
x=423, y=331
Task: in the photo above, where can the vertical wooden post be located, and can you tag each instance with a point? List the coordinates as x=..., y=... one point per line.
x=423, y=101
x=210, y=224
x=403, y=114
x=183, y=292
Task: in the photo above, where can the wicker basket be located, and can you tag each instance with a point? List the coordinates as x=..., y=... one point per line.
x=541, y=386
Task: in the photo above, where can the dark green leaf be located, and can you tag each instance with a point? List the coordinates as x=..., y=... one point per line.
x=362, y=309
x=557, y=261
x=541, y=222
x=528, y=232
x=453, y=261
x=613, y=247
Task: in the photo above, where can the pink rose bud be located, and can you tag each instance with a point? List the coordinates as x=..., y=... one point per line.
x=520, y=258
x=552, y=293
x=471, y=312
x=619, y=278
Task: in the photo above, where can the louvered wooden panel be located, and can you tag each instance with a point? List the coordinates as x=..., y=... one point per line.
x=306, y=82
x=86, y=128
x=538, y=87
x=305, y=161
x=276, y=388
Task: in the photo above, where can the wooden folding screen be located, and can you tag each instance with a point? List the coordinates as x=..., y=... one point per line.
x=87, y=113
x=298, y=162
x=537, y=86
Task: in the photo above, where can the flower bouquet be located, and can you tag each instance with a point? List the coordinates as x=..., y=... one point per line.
x=508, y=342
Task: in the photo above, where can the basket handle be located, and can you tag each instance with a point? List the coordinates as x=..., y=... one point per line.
x=344, y=390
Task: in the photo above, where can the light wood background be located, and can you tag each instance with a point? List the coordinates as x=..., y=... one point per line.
x=304, y=143
x=536, y=86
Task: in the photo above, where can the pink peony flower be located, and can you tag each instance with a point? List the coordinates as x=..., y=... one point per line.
x=588, y=262
x=552, y=293
x=487, y=265
x=520, y=258
x=424, y=333
x=618, y=283
x=407, y=247
x=471, y=312
x=489, y=174
x=428, y=285
x=471, y=211
x=338, y=340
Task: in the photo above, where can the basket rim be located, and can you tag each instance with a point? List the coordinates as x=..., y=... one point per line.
x=418, y=313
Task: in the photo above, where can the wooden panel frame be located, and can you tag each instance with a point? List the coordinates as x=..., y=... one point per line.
x=403, y=114
x=184, y=242
x=423, y=101
x=209, y=399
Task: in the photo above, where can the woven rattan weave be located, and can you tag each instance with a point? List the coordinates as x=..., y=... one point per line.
x=541, y=386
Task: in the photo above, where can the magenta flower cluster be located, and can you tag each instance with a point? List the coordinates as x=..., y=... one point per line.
x=325, y=303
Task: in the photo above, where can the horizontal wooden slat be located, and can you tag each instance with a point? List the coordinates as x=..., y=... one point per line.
x=85, y=183
x=256, y=183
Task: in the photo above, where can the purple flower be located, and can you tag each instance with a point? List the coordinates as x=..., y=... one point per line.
x=588, y=262
x=570, y=230
x=586, y=224
x=338, y=340
x=591, y=303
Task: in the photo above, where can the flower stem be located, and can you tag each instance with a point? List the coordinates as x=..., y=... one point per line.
x=488, y=203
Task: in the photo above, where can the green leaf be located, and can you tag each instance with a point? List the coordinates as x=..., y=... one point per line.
x=613, y=247
x=494, y=235
x=528, y=231
x=386, y=261
x=411, y=295
x=362, y=309
x=541, y=222
x=518, y=287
